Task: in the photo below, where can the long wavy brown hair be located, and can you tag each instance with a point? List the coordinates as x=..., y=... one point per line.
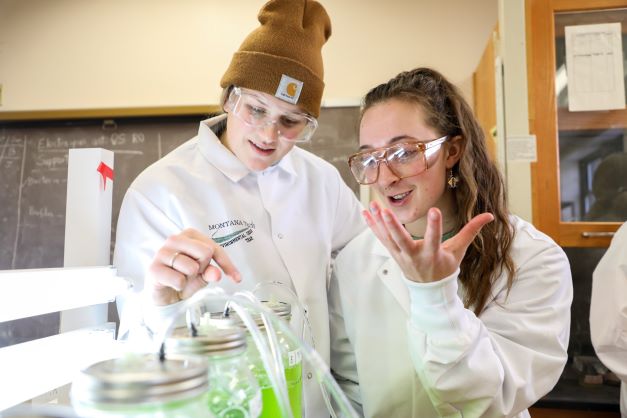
x=481, y=187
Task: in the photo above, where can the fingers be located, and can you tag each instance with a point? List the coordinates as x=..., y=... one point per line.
x=433, y=233
x=397, y=231
x=196, y=251
x=374, y=219
x=165, y=277
x=469, y=232
x=192, y=285
x=184, y=265
x=222, y=259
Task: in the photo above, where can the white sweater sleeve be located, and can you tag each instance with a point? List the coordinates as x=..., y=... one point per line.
x=502, y=362
x=608, y=310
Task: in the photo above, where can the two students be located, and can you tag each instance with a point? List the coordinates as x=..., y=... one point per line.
x=472, y=325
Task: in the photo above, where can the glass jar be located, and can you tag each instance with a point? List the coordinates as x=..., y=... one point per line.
x=143, y=386
x=292, y=362
x=233, y=390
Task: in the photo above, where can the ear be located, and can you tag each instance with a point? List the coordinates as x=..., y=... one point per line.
x=227, y=106
x=227, y=99
x=453, y=151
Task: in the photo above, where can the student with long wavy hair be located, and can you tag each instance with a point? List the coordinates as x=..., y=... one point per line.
x=448, y=305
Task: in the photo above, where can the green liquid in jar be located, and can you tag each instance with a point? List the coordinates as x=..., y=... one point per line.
x=230, y=394
x=221, y=405
x=270, y=404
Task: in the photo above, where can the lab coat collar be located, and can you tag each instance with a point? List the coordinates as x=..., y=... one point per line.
x=217, y=154
x=391, y=275
x=224, y=160
x=287, y=163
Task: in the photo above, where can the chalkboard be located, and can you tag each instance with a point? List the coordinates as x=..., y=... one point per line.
x=33, y=177
x=33, y=181
x=336, y=139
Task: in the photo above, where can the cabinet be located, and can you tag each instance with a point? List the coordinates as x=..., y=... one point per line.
x=579, y=181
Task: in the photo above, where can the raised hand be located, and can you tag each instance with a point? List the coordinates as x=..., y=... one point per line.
x=429, y=259
x=183, y=266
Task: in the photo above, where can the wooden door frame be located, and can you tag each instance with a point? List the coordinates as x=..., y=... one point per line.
x=543, y=120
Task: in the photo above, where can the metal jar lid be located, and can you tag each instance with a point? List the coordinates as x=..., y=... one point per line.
x=141, y=379
x=281, y=309
x=230, y=340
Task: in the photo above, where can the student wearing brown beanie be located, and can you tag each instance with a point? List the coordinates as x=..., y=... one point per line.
x=241, y=198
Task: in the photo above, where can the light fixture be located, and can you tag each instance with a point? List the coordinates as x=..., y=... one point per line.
x=25, y=293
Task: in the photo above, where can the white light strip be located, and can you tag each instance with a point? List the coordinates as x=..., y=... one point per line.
x=36, y=367
x=25, y=293
x=561, y=80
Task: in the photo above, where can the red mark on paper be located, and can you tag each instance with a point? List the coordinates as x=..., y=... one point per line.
x=106, y=172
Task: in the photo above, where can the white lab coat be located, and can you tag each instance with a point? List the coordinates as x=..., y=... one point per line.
x=281, y=224
x=415, y=351
x=608, y=310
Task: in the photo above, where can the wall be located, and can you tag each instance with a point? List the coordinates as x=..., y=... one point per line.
x=513, y=52
x=76, y=54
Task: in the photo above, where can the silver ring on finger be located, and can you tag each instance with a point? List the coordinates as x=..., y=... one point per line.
x=173, y=259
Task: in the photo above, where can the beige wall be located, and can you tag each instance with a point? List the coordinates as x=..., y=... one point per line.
x=89, y=54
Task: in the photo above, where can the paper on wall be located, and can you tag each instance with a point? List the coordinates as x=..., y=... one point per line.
x=594, y=63
x=522, y=148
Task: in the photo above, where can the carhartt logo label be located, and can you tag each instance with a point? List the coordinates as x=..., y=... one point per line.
x=289, y=89
x=229, y=232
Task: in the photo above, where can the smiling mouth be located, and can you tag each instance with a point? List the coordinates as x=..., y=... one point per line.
x=261, y=150
x=400, y=198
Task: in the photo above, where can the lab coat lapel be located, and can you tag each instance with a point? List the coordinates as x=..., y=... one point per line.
x=391, y=275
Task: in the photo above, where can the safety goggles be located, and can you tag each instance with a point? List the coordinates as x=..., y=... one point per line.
x=405, y=159
x=254, y=111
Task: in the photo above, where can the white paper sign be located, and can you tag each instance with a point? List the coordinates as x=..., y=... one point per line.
x=594, y=63
x=521, y=148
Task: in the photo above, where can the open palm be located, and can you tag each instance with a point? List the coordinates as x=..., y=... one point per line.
x=429, y=259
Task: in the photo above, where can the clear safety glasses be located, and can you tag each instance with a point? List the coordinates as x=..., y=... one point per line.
x=404, y=159
x=254, y=111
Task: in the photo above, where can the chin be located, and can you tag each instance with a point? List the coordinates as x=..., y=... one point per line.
x=407, y=215
x=403, y=215
x=256, y=165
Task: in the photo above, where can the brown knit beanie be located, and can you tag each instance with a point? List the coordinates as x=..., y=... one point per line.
x=283, y=56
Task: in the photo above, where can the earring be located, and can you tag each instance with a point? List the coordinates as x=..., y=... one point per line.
x=453, y=180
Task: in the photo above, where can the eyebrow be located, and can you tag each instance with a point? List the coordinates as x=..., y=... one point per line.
x=258, y=97
x=390, y=141
x=264, y=102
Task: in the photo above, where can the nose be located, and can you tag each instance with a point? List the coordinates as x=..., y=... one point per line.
x=270, y=132
x=386, y=176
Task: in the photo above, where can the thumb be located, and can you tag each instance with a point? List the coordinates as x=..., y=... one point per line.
x=469, y=232
x=194, y=283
